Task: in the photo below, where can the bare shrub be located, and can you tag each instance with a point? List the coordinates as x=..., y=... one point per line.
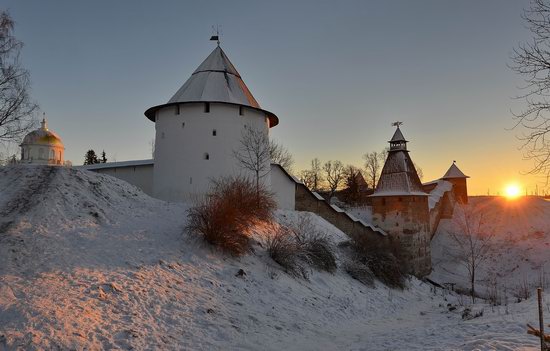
x=301, y=245
x=522, y=291
x=385, y=261
x=224, y=217
x=359, y=271
x=493, y=292
x=317, y=248
x=283, y=248
x=469, y=314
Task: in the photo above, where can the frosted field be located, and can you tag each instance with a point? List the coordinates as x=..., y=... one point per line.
x=90, y=262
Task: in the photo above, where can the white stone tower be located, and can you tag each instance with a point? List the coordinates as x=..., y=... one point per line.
x=199, y=128
x=42, y=146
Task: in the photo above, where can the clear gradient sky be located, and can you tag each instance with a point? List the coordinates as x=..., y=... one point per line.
x=337, y=73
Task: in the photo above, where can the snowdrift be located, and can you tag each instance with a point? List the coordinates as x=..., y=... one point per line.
x=90, y=262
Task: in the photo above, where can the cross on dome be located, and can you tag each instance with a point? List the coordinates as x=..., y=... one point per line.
x=44, y=123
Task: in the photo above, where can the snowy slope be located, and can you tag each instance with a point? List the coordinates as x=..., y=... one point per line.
x=89, y=262
x=521, y=244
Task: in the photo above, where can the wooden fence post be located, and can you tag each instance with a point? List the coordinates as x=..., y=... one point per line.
x=541, y=321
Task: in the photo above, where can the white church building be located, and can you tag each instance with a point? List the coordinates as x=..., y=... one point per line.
x=196, y=134
x=42, y=146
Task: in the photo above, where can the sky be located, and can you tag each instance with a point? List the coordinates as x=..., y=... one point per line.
x=336, y=73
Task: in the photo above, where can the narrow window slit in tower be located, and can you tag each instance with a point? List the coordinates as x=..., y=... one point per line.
x=241, y=111
x=206, y=156
x=177, y=109
x=206, y=107
x=214, y=132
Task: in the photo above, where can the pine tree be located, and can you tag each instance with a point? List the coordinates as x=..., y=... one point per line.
x=103, y=157
x=90, y=158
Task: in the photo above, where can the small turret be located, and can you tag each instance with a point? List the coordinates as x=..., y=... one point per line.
x=460, y=188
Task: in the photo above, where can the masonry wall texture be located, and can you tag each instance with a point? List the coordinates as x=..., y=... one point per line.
x=306, y=201
x=443, y=209
x=406, y=219
x=460, y=189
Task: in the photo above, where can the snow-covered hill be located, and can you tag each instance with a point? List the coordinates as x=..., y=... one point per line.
x=521, y=247
x=89, y=262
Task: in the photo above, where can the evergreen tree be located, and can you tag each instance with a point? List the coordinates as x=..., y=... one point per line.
x=90, y=158
x=103, y=157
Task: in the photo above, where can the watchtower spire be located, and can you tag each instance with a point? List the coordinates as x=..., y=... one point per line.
x=398, y=141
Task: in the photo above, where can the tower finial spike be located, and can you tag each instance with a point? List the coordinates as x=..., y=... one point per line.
x=397, y=124
x=216, y=33
x=44, y=124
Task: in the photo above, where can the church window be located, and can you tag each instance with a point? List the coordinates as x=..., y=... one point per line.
x=214, y=132
x=400, y=199
x=41, y=154
x=383, y=202
x=241, y=111
x=206, y=156
x=206, y=107
x=177, y=109
x=190, y=180
x=162, y=135
x=182, y=125
x=52, y=155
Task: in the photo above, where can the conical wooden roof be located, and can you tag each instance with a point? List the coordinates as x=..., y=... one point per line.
x=399, y=177
x=454, y=172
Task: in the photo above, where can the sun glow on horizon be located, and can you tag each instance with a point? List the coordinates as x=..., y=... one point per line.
x=512, y=191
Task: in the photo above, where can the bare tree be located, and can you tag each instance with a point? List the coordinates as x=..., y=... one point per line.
x=473, y=240
x=532, y=61
x=313, y=177
x=334, y=173
x=374, y=162
x=351, y=182
x=16, y=107
x=253, y=153
x=280, y=155
x=419, y=171
x=307, y=178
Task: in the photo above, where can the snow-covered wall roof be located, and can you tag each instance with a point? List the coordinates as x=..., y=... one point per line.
x=117, y=164
x=435, y=195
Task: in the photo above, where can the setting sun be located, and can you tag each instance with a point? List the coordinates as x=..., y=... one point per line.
x=512, y=191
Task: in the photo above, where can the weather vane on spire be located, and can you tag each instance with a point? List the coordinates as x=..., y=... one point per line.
x=216, y=34
x=397, y=124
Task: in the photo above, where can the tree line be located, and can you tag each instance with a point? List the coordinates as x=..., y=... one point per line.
x=333, y=175
x=91, y=158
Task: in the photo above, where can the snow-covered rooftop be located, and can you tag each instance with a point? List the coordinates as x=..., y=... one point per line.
x=215, y=80
x=454, y=172
x=117, y=164
x=399, y=176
